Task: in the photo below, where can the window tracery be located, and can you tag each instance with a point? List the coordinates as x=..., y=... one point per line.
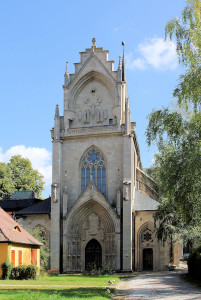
x=93, y=164
x=147, y=235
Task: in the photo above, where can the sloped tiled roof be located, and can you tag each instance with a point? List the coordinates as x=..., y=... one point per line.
x=15, y=205
x=143, y=202
x=43, y=207
x=11, y=231
x=19, y=195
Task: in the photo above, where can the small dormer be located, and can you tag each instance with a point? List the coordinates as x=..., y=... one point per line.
x=16, y=228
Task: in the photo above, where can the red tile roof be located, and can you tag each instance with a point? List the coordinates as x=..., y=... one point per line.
x=11, y=231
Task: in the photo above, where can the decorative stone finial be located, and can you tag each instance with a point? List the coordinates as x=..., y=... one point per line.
x=119, y=67
x=57, y=111
x=123, y=64
x=94, y=42
x=67, y=67
x=123, y=44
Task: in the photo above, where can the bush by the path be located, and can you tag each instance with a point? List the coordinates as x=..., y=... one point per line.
x=194, y=263
x=20, y=272
x=6, y=267
x=53, y=272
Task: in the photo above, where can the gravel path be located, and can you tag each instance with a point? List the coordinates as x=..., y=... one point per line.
x=157, y=285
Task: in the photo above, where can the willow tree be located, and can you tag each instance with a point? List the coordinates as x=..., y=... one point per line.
x=177, y=134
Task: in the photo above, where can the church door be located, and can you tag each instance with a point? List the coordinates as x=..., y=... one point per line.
x=147, y=259
x=93, y=254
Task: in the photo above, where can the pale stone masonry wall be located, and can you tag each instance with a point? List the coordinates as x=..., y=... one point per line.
x=112, y=149
x=97, y=114
x=161, y=253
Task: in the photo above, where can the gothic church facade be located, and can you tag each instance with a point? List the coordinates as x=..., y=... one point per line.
x=102, y=202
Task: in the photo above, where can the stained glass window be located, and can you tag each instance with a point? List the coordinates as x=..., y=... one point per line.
x=93, y=163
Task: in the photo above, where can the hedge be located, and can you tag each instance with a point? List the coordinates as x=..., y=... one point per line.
x=20, y=272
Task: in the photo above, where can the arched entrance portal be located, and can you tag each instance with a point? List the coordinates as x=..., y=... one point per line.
x=147, y=259
x=93, y=254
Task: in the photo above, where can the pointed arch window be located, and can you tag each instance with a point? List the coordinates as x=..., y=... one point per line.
x=93, y=163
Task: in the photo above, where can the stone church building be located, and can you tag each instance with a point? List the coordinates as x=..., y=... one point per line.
x=102, y=202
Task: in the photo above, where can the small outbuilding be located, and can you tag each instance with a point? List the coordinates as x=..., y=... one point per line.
x=16, y=244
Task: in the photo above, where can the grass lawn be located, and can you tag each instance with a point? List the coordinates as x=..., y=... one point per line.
x=59, y=287
x=66, y=280
x=68, y=293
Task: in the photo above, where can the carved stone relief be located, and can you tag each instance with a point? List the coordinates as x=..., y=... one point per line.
x=54, y=192
x=93, y=111
x=92, y=227
x=99, y=115
x=126, y=188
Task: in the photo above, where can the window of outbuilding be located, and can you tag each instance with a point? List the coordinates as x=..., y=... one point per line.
x=13, y=257
x=19, y=257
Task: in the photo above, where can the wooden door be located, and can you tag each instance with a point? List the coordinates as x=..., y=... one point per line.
x=93, y=254
x=147, y=259
x=34, y=256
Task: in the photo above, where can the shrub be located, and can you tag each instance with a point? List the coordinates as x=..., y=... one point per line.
x=108, y=268
x=24, y=272
x=194, y=263
x=31, y=272
x=18, y=272
x=53, y=272
x=6, y=267
x=40, y=234
x=92, y=268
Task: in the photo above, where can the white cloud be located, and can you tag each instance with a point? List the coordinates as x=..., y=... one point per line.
x=132, y=63
x=39, y=157
x=154, y=52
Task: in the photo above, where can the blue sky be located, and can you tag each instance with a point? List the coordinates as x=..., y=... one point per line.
x=38, y=37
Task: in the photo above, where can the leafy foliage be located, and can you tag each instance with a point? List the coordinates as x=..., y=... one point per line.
x=31, y=272
x=177, y=134
x=177, y=170
x=7, y=187
x=24, y=272
x=20, y=272
x=194, y=263
x=19, y=175
x=187, y=31
x=108, y=268
x=39, y=233
x=53, y=272
x=6, y=267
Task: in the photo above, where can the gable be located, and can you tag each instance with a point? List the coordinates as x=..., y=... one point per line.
x=93, y=104
x=11, y=231
x=92, y=195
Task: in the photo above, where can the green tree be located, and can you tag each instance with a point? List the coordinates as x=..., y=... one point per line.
x=39, y=233
x=6, y=184
x=187, y=31
x=177, y=134
x=19, y=175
